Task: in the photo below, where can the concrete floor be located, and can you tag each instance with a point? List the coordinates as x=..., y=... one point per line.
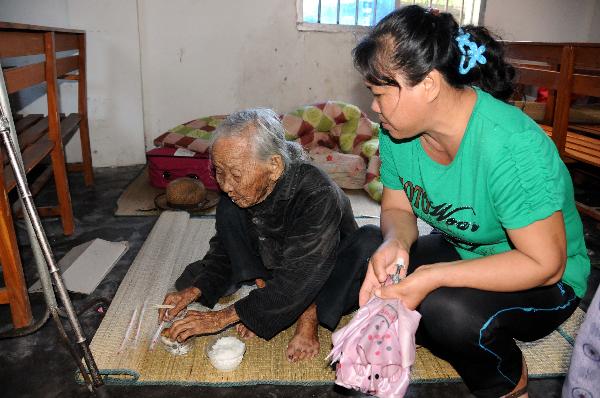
x=39, y=366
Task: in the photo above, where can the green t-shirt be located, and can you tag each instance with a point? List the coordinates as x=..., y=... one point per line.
x=507, y=174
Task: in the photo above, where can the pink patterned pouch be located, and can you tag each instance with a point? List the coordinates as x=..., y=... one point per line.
x=375, y=351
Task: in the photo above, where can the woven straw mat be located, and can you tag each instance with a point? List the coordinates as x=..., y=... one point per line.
x=175, y=241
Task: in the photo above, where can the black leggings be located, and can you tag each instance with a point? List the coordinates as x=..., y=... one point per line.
x=474, y=330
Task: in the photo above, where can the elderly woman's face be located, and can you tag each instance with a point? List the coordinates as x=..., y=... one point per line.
x=240, y=175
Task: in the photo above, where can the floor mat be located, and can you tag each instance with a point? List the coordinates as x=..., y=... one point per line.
x=138, y=200
x=177, y=240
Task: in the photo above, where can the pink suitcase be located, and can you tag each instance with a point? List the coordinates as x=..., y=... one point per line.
x=167, y=164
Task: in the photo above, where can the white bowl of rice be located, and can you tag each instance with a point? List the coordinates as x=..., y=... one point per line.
x=225, y=352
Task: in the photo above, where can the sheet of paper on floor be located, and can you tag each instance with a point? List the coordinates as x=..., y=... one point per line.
x=85, y=265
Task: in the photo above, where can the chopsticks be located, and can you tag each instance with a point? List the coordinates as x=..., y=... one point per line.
x=136, y=319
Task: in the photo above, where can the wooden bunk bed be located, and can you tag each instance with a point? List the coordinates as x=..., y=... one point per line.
x=40, y=137
x=566, y=70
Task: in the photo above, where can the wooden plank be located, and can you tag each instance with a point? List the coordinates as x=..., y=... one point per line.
x=586, y=149
x=29, y=136
x=581, y=137
x=538, y=77
x=66, y=42
x=539, y=52
x=587, y=57
x=18, y=44
x=526, y=64
x=21, y=26
x=69, y=126
x=26, y=121
x=32, y=155
x=66, y=64
x=583, y=157
x=22, y=77
x=586, y=85
x=593, y=212
x=586, y=128
x=41, y=180
x=69, y=77
x=33, y=133
x=35, y=188
x=76, y=167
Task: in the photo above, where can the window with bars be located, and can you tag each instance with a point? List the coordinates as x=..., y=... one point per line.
x=316, y=14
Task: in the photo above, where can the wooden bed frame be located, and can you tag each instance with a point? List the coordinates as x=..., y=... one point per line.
x=564, y=69
x=40, y=137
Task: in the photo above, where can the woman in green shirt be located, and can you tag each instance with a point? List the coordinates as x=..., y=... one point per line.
x=509, y=261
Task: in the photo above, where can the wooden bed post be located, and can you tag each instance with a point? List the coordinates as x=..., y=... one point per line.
x=15, y=292
x=54, y=133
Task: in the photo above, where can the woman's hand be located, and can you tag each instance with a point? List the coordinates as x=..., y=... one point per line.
x=381, y=265
x=196, y=323
x=180, y=300
x=414, y=288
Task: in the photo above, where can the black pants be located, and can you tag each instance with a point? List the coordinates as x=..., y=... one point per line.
x=474, y=330
x=339, y=294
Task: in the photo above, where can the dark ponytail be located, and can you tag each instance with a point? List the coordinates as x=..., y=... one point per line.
x=413, y=41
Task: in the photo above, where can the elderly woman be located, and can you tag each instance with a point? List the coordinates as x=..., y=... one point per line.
x=284, y=222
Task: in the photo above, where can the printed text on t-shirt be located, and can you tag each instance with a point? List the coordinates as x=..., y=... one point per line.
x=442, y=212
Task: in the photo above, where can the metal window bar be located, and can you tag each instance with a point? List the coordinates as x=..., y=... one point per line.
x=374, y=19
x=319, y=12
x=398, y=3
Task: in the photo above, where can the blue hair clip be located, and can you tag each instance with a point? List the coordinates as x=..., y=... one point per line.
x=473, y=54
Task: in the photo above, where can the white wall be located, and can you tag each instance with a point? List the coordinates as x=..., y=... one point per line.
x=194, y=58
x=197, y=58
x=544, y=20
x=213, y=57
x=113, y=68
x=594, y=35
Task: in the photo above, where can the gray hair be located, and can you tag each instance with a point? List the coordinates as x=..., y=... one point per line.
x=268, y=134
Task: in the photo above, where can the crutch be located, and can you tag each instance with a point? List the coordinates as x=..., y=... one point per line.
x=44, y=258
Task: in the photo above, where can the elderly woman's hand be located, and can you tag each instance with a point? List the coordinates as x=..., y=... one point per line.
x=180, y=300
x=196, y=323
x=382, y=263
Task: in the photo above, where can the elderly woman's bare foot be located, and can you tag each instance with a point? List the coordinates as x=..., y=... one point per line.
x=243, y=331
x=305, y=343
